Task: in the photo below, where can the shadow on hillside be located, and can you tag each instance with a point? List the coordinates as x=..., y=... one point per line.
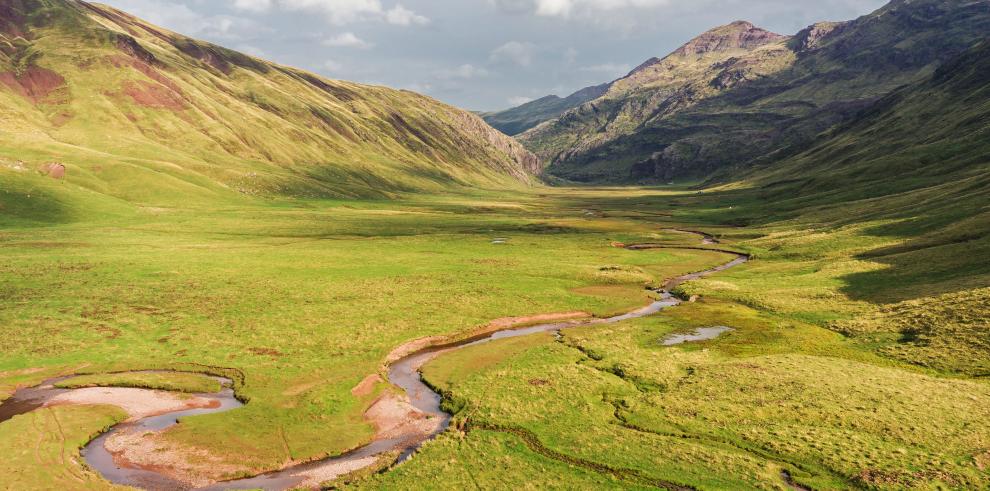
x=918, y=269
x=26, y=205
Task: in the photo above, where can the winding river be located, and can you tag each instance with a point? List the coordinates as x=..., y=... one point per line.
x=403, y=372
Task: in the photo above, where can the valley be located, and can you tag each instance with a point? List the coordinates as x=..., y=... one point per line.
x=759, y=262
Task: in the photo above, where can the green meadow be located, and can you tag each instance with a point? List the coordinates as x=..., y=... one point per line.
x=300, y=300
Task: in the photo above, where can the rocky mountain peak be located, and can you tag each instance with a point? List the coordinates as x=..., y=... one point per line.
x=737, y=35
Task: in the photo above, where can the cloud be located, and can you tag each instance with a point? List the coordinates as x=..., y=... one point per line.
x=192, y=23
x=463, y=72
x=570, y=55
x=514, y=52
x=519, y=100
x=616, y=69
x=347, y=40
x=339, y=12
x=571, y=8
x=253, y=5
x=252, y=50
x=401, y=16
x=332, y=66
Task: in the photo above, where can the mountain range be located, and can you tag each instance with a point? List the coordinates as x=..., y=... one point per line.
x=739, y=94
x=145, y=114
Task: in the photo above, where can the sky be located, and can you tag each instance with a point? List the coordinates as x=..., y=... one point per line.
x=476, y=54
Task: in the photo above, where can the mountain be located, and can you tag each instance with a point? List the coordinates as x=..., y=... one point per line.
x=141, y=113
x=925, y=146
x=523, y=117
x=738, y=93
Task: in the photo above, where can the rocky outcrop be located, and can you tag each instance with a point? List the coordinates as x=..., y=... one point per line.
x=815, y=35
x=737, y=35
x=525, y=159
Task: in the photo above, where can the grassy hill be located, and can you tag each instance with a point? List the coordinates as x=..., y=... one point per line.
x=727, y=110
x=146, y=115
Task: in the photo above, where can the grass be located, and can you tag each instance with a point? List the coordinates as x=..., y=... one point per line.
x=304, y=298
x=41, y=448
x=170, y=381
x=299, y=300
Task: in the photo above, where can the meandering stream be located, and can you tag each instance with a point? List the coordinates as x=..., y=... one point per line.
x=403, y=373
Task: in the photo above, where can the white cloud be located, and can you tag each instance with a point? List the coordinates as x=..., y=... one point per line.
x=616, y=69
x=180, y=17
x=332, y=66
x=514, y=52
x=519, y=100
x=402, y=16
x=252, y=50
x=571, y=8
x=347, y=40
x=339, y=12
x=253, y=5
x=463, y=72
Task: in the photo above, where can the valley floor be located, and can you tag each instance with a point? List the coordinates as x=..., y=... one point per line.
x=850, y=363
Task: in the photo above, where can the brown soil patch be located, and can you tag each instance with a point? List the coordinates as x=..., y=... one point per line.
x=150, y=451
x=120, y=61
x=153, y=95
x=34, y=84
x=982, y=460
x=496, y=325
x=138, y=403
x=510, y=322
x=53, y=170
x=367, y=386
x=395, y=418
x=274, y=353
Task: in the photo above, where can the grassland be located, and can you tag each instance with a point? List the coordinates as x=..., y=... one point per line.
x=299, y=300
x=169, y=381
x=303, y=298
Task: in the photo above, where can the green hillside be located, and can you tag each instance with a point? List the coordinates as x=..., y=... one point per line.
x=147, y=115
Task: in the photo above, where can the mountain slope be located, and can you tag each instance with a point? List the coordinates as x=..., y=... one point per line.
x=523, y=117
x=144, y=114
x=926, y=144
x=723, y=111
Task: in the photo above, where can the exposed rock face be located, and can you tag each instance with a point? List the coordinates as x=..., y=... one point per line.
x=812, y=37
x=738, y=35
x=516, y=151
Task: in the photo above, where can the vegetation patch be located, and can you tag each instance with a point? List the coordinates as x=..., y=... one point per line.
x=168, y=381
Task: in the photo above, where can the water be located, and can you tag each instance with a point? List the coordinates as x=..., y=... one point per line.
x=700, y=334
x=404, y=373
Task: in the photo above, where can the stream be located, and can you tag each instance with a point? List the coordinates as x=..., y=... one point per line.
x=403, y=373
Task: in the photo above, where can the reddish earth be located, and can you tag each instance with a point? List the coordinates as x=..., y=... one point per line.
x=154, y=95
x=34, y=84
x=120, y=61
x=367, y=386
x=54, y=170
